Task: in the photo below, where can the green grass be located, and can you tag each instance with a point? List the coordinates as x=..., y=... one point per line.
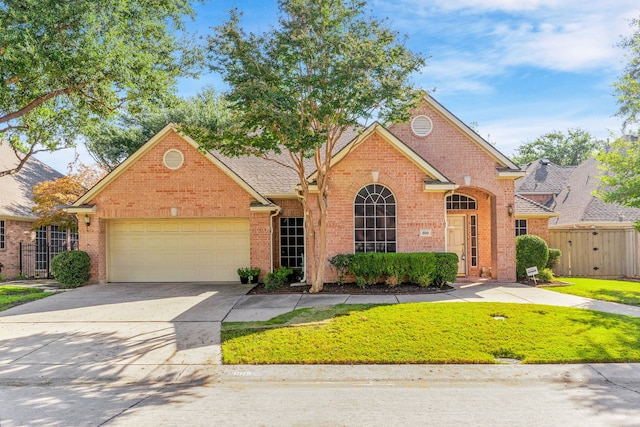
x=606, y=290
x=10, y=296
x=434, y=333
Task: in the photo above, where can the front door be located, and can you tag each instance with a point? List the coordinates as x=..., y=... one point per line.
x=457, y=240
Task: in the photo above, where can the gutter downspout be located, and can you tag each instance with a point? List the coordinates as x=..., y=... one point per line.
x=276, y=212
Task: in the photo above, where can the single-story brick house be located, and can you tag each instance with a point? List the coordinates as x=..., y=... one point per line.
x=173, y=213
x=17, y=220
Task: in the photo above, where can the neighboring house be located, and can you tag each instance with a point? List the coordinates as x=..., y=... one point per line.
x=17, y=220
x=172, y=213
x=596, y=238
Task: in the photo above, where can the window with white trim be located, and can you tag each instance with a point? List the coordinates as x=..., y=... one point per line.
x=1, y=234
x=374, y=209
x=521, y=227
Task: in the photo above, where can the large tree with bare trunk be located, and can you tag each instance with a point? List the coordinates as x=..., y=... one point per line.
x=326, y=67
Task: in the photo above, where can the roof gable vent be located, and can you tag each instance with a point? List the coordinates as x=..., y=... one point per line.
x=421, y=126
x=173, y=159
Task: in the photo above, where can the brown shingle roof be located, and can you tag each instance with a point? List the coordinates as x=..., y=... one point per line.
x=527, y=207
x=577, y=204
x=270, y=176
x=16, y=197
x=543, y=177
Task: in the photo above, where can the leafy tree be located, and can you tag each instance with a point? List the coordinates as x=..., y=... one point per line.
x=65, y=64
x=297, y=88
x=114, y=141
x=621, y=160
x=51, y=197
x=568, y=149
x=628, y=87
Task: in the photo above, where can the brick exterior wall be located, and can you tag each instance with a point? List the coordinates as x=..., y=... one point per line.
x=455, y=155
x=148, y=189
x=539, y=227
x=14, y=232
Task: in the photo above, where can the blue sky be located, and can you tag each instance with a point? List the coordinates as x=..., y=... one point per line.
x=516, y=68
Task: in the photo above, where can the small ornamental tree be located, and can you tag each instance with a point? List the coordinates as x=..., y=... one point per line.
x=531, y=251
x=326, y=68
x=51, y=197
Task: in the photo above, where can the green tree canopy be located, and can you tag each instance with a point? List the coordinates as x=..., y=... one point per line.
x=117, y=139
x=326, y=67
x=621, y=160
x=628, y=87
x=568, y=149
x=66, y=63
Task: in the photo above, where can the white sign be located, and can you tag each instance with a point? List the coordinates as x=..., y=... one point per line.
x=425, y=232
x=532, y=271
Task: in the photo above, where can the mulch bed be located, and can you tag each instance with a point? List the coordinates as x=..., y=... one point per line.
x=353, y=289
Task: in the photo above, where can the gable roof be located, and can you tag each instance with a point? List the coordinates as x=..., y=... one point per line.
x=145, y=148
x=485, y=145
x=543, y=177
x=16, y=190
x=396, y=143
x=577, y=205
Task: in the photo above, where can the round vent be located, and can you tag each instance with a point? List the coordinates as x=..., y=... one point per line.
x=173, y=159
x=421, y=125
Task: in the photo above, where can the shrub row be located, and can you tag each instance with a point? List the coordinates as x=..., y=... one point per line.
x=423, y=268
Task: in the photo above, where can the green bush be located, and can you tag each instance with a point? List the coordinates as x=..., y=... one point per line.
x=531, y=251
x=545, y=276
x=71, y=268
x=446, y=268
x=423, y=268
x=278, y=278
x=554, y=258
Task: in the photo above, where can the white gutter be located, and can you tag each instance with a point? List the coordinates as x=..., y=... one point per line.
x=275, y=212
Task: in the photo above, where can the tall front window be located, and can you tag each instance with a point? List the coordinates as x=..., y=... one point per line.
x=375, y=219
x=41, y=248
x=1, y=234
x=291, y=242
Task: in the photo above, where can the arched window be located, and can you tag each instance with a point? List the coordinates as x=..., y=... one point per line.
x=457, y=202
x=374, y=210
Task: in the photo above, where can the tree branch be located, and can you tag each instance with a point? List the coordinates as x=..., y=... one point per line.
x=35, y=103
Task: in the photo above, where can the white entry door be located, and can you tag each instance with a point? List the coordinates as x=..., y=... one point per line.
x=457, y=240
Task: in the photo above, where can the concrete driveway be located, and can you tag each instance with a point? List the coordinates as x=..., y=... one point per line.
x=117, y=332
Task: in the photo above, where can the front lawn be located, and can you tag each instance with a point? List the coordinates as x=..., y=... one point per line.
x=10, y=296
x=607, y=290
x=434, y=333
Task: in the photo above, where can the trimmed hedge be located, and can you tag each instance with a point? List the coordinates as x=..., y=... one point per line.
x=531, y=251
x=71, y=268
x=423, y=268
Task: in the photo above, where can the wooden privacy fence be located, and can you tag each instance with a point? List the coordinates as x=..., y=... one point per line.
x=597, y=252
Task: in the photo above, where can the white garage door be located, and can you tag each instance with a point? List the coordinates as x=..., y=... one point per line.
x=175, y=250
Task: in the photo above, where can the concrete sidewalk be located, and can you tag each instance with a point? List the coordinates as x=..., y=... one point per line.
x=264, y=307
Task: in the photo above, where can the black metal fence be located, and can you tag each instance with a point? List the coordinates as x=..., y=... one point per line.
x=35, y=258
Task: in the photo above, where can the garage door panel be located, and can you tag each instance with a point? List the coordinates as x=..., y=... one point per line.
x=177, y=250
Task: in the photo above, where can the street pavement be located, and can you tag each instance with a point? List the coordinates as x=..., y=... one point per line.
x=149, y=354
